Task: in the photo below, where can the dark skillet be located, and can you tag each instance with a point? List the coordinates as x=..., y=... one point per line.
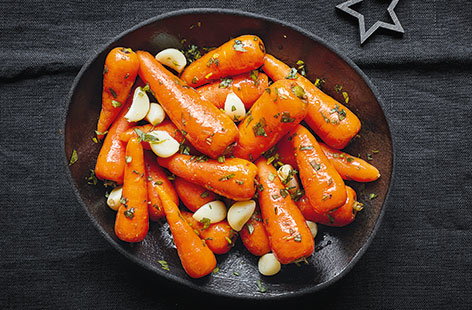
x=337, y=249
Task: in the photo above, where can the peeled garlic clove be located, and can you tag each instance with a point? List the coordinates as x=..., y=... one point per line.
x=140, y=106
x=113, y=200
x=313, y=228
x=286, y=174
x=213, y=212
x=234, y=107
x=239, y=213
x=155, y=114
x=268, y=264
x=172, y=58
x=165, y=145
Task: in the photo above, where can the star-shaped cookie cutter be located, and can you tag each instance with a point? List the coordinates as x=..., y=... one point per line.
x=364, y=35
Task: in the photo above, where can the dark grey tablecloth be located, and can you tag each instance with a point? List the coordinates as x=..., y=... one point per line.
x=52, y=257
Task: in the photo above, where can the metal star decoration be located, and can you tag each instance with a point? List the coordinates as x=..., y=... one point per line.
x=364, y=35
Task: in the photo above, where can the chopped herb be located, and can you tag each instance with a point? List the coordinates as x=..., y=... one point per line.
x=284, y=192
x=297, y=238
x=297, y=195
x=216, y=270
x=299, y=91
x=113, y=92
x=129, y=213
x=225, y=82
x=375, y=151
x=205, y=194
x=91, y=179
x=301, y=67
x=306, y=147
x=192, y=53
x=341, y=112
x=158, y=183
x=286, y=118
x=148, y=137
x=126, y=75
x=350, y=159
x=331, y=218
x=292, y=74
x=250, y=228
x=260, y=287
x=369, y=156
x=229, y=240
x=171, y=177
x=346, y=97
x=164, y=264
x=206, y=222
x=259, y=128
x=272, y=177
x=213, y=61
x=128, y=159
x=236, y=273
x=326, y=196
x=184, y=149
x=338, y=88
x=123, y=200
x=227, y=177
x=315, y=165
x=275, y=197
x=373, y=196
x=320, y=83
x=73, y=157
x=358, y=206
x=239, y=46
x=99, y=133
x=239, y=182
x=255, y=77
x=115, y=104
x=95, y=140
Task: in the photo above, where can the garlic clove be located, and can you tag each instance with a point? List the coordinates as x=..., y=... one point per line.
x=213, y=212
x=139, y=107
x=239, y=213
x=172, y=58
x=234, y=107
x=155, y=114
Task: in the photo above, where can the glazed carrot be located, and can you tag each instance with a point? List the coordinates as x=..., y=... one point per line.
x=196, y=257
x=334, y=123
x=286, y=152
x=289, y=236
x=119, y=75
x=233, y=178
x=339, y=217
x=110, y=163
x=236, y=56
x=351, y=167
x=322, y=183
x=219, y=237
x=156, y=176
x=132, y=218
x=207, y=128
x=247, y=86
x=254, y=235
x=192, y=195
x=275, y=113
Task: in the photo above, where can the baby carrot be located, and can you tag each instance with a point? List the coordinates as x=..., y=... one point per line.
x=254, y=235
x=275, y=113
x=132, y=218
x=219, y=237
x=192, y=195
x=322, y=183
x=156, y=176
x=247, y=86
x=119, y=75
x=334, y=123
x=233, y=178
x=289, y=236
x=110, y=163
x=286, y=152
x=205, y=126
x=236, y=56
x=339, y=217
x=196, y=257
x=351, y=167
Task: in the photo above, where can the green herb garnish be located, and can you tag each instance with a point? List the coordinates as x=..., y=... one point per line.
x=73, y=157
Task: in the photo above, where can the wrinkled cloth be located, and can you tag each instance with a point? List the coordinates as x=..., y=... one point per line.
x=51, y=256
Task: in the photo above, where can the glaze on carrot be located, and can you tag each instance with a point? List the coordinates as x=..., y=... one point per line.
x=110, y=163
x=219, y=237
x=333, y=122
x=196, y=258
x=156, y=176
x=132, y=218
x=323, y=185
x=233, y=178
x=339, y=217
x=119, y=75
x=205, y=126
x=192, y=195
x=247, y=86
x=351, y=167
x=274, y=114
x=236, y=56
x=286, y=152
x=289, y=236
x=254, y=236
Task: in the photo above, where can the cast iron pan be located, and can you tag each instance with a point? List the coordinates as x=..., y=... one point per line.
x=337, y=249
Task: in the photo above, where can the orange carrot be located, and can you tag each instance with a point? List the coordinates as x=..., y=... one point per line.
x=196, y=257
x=254, y=235
x=207, y=128
x=236, y=56
x=247, y=86
x=233, y=178
x=156, y=176
x=286, y=152
x=333, y=122
x=275, y=113
x=132, y=218
x=289, y=236
x=219, y=237
x=110, y=163
x=192, y=195
x=351, y=167
x=339, y=217
x=119, y=75
x=322, y=183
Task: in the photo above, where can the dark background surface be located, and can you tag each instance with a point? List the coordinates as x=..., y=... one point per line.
x=52, y=257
